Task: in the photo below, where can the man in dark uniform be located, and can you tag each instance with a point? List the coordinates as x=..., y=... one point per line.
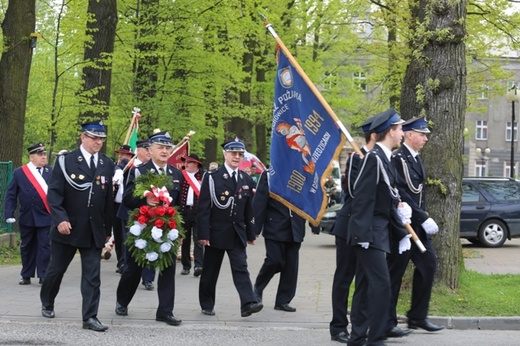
x=125, y=154
x=283, y=232
x=224, y=220
x=190, y=196
x=160, y=148
x=345, y=257
x=373, y=213
x=29, y=187
x=412, y=188
x=81, y=200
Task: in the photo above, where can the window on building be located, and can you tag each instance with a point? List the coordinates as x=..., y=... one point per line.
x=508, y=131
x=507, y=168
x=330, y=80
x=480, y=168
x=484, y=93
x=360, y=80
x=481, y=130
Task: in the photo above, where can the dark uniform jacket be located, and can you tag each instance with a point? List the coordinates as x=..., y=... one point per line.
x=32, y=212
x=276, y=219
x=131, y=202
x=417, y=176
x=90, y=213
x=374, y=209
x=220, y=226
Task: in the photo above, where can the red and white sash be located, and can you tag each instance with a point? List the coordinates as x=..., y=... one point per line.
x=38, y=183
x=194, y=183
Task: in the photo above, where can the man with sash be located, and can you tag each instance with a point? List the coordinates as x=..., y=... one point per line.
x=190, y=196
x=81, y=201
x=29, y=187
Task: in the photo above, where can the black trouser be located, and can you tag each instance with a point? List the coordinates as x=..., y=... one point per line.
x=190, y=227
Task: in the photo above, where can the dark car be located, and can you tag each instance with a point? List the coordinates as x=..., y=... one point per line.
x=490, y=211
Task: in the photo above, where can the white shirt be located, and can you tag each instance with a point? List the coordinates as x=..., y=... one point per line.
x=87, y=156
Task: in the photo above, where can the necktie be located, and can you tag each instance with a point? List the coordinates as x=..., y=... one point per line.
x=234, y=177
x=92, y=165
x=160, y=170
x=39, y=170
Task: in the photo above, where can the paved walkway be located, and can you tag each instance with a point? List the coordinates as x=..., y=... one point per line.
x=317, y=258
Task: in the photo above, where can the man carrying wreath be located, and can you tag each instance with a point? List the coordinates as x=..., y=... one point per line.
x=160, y=148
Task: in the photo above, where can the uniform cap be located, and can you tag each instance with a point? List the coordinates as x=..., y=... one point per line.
x=162, y=138
x=95, y=128
x=234, y=145
x=366, y=125
x=416, y=124
x=37, y=148
x=384, y=120
x=143, y=143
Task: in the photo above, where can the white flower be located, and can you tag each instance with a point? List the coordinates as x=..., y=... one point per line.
x=136, y=229
x=165, y=247
x=140, y=243
x=173, y=234
x=157, y=234
x=152, y=256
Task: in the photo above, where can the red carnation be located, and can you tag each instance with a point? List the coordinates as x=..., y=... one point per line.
x=172, y=224
x=159, y=223
x=161, y=210
x=143, y=209
x=152, y=212
x=142, y=219
x=170, y=211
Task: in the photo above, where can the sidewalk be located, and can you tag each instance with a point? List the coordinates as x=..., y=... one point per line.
x=313, y=302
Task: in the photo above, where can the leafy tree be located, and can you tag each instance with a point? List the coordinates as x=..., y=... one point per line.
x=17, y=49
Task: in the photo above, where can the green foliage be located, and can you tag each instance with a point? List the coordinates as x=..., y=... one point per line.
x=144, y=182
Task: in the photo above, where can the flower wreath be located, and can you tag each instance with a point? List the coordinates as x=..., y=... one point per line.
x=154, y=232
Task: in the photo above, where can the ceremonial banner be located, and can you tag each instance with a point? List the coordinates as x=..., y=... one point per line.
x=180, y=152
x=305, y=139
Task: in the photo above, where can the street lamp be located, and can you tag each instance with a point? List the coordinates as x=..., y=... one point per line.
x=512, y=96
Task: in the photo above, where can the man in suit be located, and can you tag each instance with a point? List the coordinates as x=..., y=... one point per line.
x=189, y=199
x=81, y=200
x=412, y=188
x=374, y=214
x=29, y=187
x=345, y=257
x=224, y=219
x=283, y=232
x=160, y=148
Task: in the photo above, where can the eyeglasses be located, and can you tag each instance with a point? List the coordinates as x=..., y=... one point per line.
x=239, y=153
x=95, y=139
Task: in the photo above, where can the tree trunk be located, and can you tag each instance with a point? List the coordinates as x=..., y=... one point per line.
x=15, y=65
x=435, y=86
x=97, y=74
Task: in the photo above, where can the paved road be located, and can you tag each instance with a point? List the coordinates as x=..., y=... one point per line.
x=21, y=321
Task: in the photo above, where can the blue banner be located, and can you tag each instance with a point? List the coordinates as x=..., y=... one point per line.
x=304, y=140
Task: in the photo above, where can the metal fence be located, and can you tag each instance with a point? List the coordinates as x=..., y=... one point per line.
x=6, y=174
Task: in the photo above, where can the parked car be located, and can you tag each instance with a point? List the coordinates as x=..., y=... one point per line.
x=490, y=211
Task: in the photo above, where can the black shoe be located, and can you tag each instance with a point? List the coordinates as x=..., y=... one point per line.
x=185, y=271
x=48, y=313
x=171, y=320
x=209, y=312
x=148, y=285
x=397, y=332
x=285, y=307
x=341, y=337
x=94, y=324
x=40, y=281
x=121, y=310
x=197, y=271
x=250, y=308
x=424, y=324
x=25, y=281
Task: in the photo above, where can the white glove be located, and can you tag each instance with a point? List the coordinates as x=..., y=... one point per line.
x=117, y=177
x=405, y=244
x=430, y=226
x=364, y=244
x=11, y=220
x=405, y=212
